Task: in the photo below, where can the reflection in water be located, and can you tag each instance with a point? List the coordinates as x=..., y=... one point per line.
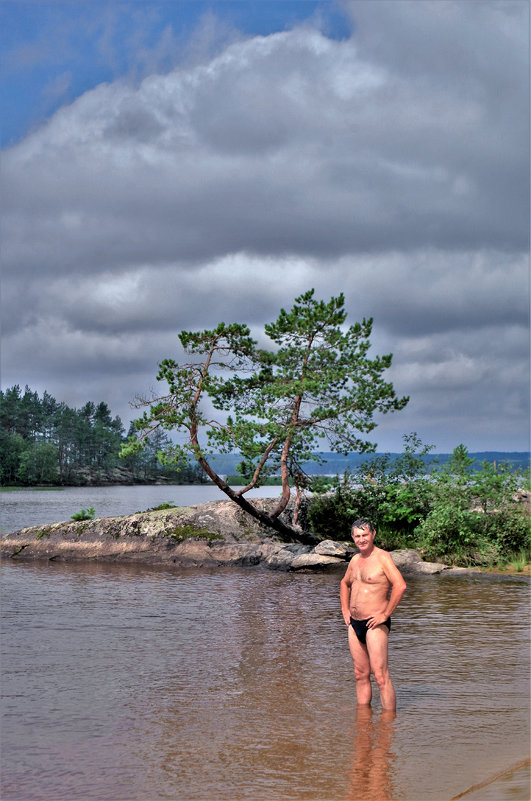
x=371, y=777
x=262, y=701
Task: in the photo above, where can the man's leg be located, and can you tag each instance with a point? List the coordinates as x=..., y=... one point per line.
x=362, y=668
x=377, y=647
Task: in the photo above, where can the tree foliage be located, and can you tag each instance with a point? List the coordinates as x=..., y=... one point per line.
x=274, y=405
x=46, y=442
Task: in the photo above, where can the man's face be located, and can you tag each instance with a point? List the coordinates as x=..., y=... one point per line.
x=363, y=538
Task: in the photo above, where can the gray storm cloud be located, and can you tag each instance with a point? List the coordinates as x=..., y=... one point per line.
x=393, y=166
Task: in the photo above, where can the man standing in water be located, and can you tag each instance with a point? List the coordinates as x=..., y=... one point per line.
x=370, y=591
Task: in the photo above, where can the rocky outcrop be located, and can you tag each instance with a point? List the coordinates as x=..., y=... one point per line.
x=211, y=534
x=410, y=561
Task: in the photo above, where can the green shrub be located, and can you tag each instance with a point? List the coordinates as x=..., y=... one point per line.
x=84, y=514
x=513, y=530
x=473, y=537
x=394, y=538
x=331, y=514
x=457, y=513
x=451, y=532
x=473, y=518
x=393, y=493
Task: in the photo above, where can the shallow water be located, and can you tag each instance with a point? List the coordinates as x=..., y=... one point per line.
x=136, y=684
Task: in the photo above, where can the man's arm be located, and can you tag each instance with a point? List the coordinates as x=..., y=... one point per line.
x=344, y=594
x=398, y=588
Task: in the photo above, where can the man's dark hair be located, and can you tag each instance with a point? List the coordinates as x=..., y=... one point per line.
x=363, y=523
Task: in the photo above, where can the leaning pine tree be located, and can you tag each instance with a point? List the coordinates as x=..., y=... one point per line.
x=276, y=405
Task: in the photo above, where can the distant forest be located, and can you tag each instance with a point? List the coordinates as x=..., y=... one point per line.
x=45, y=442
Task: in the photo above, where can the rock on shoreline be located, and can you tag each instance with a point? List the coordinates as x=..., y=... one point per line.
x=213, y=534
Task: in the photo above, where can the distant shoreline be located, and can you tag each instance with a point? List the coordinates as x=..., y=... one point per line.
x=334, y=465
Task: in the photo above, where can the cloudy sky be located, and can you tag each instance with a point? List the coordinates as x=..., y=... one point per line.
x=170, y=165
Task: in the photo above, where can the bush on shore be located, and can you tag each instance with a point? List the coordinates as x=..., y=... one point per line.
x=456, y=514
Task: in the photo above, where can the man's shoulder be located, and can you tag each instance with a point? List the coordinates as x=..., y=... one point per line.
x=387, y=563
x=383, y=556
x=352, y=564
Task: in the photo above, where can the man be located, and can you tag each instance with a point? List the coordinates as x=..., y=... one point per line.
x=370, y=592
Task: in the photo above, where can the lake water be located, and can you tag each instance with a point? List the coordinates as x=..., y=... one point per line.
x=138, y=684
x=126, y=683
x=21, y=508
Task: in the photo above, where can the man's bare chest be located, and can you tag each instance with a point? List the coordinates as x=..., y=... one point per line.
x=370, y=575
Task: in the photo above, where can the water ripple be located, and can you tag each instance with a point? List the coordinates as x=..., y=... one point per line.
x=141, y=685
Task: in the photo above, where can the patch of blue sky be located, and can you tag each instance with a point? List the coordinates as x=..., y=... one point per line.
x=52, y=52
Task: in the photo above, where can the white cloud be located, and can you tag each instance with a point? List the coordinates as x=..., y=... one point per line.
x=392, y=166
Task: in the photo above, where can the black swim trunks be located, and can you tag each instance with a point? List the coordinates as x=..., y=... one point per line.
x=360, y=628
